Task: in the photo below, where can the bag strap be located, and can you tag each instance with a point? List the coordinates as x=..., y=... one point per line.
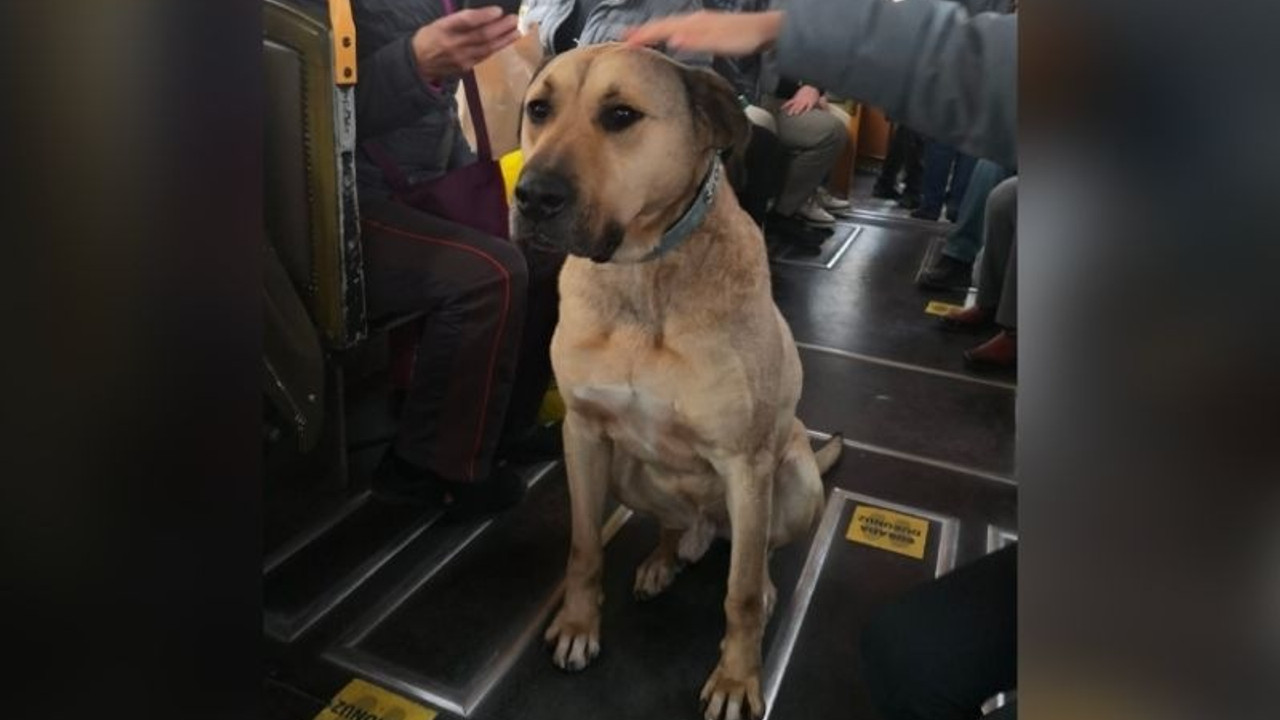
x=391, y=171
x=483, y=148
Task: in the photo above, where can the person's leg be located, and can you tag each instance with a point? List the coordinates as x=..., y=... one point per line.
x=938, y=159
x=473, y=289
x=946, y=647
x=887, y=182
x=764, y=155
x=997, y=286
x=761, y=118
x=522, y=439
x=913, y=168
x=1007, y=312
x=813, y=140
x=830, y=200
x=998, y=240
x=953, y=268
x=965, y=240
x=961, y=173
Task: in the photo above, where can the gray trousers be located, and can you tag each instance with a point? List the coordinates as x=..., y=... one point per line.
x=998, y=278
x=813, y=141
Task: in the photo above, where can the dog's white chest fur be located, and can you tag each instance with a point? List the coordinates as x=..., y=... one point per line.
x=648, y=425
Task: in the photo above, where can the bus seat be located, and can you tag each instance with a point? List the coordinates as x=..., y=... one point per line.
x=310, y=204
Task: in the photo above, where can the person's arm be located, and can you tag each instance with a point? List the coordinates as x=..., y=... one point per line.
x=929, y=64
x=402, y=77
x=391, y=93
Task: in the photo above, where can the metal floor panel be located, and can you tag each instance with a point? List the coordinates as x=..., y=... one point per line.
x=813, y=668
x=655, y=654
x=832, y=250
x=964, y=423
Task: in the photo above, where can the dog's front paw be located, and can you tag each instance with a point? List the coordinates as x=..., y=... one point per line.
x=575, y=638
x=732, y=696
x=655, y=575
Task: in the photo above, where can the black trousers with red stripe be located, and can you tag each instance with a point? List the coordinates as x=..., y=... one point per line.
x=482, y=362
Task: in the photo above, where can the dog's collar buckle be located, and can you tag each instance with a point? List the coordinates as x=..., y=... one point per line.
x=692, y=219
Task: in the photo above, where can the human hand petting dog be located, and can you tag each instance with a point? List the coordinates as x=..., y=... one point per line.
x=458, y=42
x=718, y=33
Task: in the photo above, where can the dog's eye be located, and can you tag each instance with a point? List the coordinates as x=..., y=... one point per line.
x=617, y=118
x=538, y=110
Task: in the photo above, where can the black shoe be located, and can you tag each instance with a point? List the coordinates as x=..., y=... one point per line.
x=947, y=273
x=885, y=193
x=539, y=443
x=398, y=482
x=797, y=234
x=909, y=202
x=503, y=489
x=924, y=213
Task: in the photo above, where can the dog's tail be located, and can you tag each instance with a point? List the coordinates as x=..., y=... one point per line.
x=829, y=453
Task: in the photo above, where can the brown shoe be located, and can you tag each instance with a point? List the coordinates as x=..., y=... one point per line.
x=998, y=353
x=969, y=320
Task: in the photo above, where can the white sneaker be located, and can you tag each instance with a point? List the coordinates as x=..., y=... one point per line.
x=829, y=201
x=812, y=212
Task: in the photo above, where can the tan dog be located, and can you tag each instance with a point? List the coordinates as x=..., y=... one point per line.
x=679, y=374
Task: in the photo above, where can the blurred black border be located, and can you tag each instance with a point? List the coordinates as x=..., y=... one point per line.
x=132, y=223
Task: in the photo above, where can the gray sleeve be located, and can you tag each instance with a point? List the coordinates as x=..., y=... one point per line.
x=926, y=63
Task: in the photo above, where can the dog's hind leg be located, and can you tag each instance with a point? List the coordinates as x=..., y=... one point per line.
x=657, y=572
x=696, y=540
x=797, y=488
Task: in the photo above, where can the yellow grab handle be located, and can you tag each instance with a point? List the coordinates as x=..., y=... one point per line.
x=343, y=26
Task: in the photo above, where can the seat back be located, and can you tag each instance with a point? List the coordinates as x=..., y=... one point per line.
x=310, y=206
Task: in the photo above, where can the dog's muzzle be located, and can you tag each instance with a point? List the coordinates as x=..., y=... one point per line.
x=543, y=196
x=548, y=218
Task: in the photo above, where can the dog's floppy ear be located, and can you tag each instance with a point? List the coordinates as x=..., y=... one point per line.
x=715, y=108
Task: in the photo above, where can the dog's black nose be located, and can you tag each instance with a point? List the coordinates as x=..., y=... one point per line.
x=542, y=195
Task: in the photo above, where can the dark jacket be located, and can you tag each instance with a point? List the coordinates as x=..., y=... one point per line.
x=415, y=123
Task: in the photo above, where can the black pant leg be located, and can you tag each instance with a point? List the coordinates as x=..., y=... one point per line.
x=473, y=289
x=533, y=370
x=763, y=156
x=898, y=139
x=913, y=144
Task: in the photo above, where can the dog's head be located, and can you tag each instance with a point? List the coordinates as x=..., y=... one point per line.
x=616, y=141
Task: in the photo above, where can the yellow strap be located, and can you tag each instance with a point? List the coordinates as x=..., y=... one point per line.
x=344, y=42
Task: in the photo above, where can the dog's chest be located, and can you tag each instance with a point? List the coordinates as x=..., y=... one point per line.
x=644, y=421
x=646, y=397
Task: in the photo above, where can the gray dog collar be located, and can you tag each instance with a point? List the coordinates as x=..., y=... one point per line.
x=692, y=219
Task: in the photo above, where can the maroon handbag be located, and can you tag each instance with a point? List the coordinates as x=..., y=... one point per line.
x=473, y=195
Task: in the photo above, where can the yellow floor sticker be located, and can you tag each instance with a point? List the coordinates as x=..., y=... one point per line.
x=941, y=309
x=888, y=530
x=361, y=701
